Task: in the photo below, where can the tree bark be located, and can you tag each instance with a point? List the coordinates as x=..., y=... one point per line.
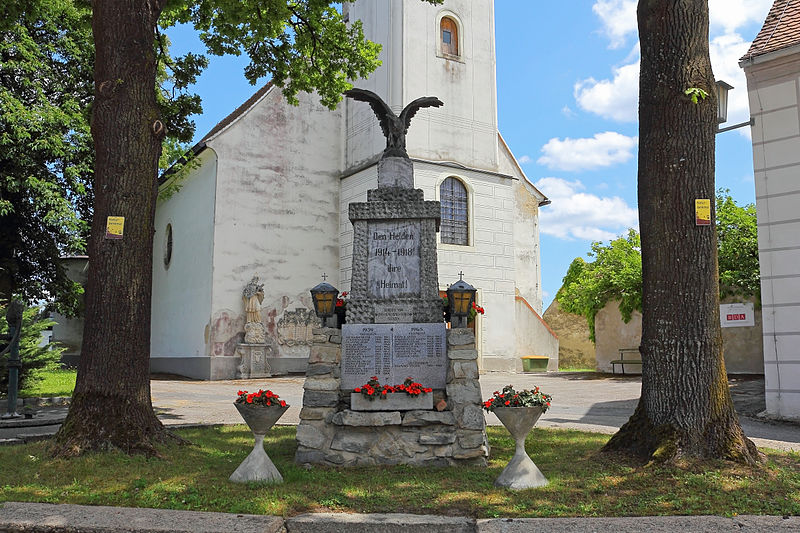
x=685, y=409
x=111, y=405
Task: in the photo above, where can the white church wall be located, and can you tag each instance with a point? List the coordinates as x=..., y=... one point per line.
x=182, y=289
x=276, y=217
x=773, y=85
x=465, y=128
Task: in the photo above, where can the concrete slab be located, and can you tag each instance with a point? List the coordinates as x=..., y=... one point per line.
x=45, y=517
x=651, y=524
x=369, y=523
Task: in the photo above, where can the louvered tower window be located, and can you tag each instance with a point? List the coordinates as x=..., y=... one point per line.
x=454, y=228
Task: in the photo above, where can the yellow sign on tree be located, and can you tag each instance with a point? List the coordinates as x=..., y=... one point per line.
x=702, y=211
x=115, y=227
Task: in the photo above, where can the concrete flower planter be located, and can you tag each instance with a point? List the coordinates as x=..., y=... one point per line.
x=521, y=472
x=258, y=466
x=397, y=401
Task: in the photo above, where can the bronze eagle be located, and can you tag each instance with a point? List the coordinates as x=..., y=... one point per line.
x=394, y=127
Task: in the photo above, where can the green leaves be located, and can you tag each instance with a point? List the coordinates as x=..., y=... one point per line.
x=696, y=94
x=616, y=272
x=304, y=45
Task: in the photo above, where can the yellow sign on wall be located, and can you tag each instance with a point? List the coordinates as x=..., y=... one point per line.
x=702, y=211
x=115, y=226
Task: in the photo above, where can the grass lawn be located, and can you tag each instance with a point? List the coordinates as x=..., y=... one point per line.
x=51, y=383
x=582, y=482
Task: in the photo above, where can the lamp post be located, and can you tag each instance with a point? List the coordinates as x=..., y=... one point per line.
x=324, y=298
x=14, y=319
x=722, y=107
x=460, y=297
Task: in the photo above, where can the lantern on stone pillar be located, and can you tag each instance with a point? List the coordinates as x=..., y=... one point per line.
x=324, y=298
x=460, y=297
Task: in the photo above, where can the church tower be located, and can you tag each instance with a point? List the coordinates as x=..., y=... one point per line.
x=447, y=51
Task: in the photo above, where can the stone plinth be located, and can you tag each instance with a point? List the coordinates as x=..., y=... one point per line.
x=253, y=361
x=331, y=433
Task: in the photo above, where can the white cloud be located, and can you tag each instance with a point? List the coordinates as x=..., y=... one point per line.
x=602, y=150
x=524, y=159
x=575, y=214
x=730, y=15
x=567, y=112
x=616, y=99
x=618, y=18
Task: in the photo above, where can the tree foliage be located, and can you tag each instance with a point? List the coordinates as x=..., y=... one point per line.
x=46, y=156
x=32, y=355
x=616, y=271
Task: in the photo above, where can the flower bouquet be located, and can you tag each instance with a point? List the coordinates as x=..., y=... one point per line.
x=410, y=395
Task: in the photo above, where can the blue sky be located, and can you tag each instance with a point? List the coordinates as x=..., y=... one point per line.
x=567, y=80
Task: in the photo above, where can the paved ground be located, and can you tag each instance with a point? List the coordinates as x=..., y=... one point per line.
x=586, y=401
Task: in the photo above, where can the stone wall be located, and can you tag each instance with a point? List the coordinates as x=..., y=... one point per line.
x=330, y=433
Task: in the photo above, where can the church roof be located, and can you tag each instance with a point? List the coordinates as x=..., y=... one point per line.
x=239, y=111
x=781, y=29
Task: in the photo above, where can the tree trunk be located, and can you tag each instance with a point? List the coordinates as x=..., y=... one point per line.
x=685, y=409
x=111, y=406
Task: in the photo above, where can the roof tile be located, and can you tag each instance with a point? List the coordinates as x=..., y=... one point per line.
x=781, y=29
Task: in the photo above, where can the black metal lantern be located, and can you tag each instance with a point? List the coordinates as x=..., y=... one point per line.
x=324, y=297
x=460, y=297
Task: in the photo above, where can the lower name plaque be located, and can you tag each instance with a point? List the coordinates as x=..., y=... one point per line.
x=394, y=352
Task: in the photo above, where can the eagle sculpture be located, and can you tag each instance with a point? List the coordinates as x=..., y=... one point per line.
x=394, y=127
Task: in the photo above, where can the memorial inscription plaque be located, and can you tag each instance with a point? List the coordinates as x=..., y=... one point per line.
x=390, y=313
x=393, y=264
x=393, y=352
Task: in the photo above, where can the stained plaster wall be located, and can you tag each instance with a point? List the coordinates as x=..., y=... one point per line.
x=276, y=215
x=181, y=292
x=465, y=128
x=773, y=85
x=741, y=346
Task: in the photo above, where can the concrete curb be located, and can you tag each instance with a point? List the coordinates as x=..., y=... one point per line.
x=52, y=518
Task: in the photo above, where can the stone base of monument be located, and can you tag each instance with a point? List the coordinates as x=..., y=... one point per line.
x=280, y=366
x=331, y=433
x=392, y=402
x=253, y=361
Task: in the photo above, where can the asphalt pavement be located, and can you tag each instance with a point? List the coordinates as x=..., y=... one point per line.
x=581, y=400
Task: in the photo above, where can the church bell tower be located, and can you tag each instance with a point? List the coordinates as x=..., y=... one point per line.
x=447, y=51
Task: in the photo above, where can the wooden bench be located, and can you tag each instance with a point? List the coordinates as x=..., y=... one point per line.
x=622, y=361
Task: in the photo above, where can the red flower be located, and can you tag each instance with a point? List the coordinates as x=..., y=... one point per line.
x=283, y=404
x=508, y=402
x=357, y=389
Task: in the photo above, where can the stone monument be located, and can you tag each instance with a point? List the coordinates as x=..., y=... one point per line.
x=254, y=351
x=394, y=330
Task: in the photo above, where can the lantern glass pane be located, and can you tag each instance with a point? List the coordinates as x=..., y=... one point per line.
x=461, y=300
x=325, y=304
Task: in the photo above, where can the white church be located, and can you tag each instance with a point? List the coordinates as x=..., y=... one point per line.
x=270, y=195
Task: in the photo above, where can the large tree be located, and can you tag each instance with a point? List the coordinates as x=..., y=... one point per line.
x=304, y=44
x=685, y=409
x=46, y=151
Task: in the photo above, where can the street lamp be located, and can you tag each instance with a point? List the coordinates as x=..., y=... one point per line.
x=460, y=297
x=722, y=107
x=324, y=298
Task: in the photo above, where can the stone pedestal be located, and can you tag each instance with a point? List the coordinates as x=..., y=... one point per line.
x=253, y=361
x=331, y=433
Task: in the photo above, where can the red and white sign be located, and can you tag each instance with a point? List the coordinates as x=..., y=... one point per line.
x=736, y=315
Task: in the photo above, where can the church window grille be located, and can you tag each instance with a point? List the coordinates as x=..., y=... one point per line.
x=454, y=226
x=449, y=31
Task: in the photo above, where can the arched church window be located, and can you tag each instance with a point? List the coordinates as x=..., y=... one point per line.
x=449, y=36
x=454, y=226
